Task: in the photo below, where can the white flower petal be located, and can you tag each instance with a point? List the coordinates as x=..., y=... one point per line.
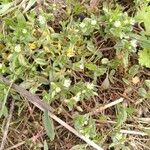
x=93, y=22
x=134, y=43
x=67, y=83
x=117, y=23
x=18, y=48
x=90, y=86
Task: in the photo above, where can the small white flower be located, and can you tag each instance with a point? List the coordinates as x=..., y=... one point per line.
x=93, y=22
x=90, y=86
x=24, y=31
x=67, y=83
x=57, y=89
x=85, y=122
x=132, y=21
x=117, y=23
x=18, y=48
x=82, y=25
x=42, y=20
x=81, y=66
x=134, y=43
x=104, y=61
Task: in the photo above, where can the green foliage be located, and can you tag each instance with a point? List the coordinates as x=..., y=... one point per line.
x=122, y=115
x=85, y=125
x=144, y=57
x=143, y=15
x=49, y=127
x=64, y=61
x=119, y=141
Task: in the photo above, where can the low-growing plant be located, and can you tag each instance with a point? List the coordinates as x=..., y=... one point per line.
x=61, y=60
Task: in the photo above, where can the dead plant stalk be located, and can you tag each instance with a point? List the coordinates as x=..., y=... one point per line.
x=44, y=106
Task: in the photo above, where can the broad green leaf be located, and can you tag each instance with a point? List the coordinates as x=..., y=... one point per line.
x=5, y=7
x=29, y=5
x=49, y=126
x=45, y=145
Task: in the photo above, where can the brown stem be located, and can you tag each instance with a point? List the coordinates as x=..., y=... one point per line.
x=44, y=106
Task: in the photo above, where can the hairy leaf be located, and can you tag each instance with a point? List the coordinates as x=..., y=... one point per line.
x=49, y=127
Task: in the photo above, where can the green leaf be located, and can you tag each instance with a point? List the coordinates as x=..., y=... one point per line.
x=134, y=70
x=122, y=115
x=147, y=83
x=143, y=15
x=5, y=7
x=21, y=60
x=91, y=66
x=142, y=92
x=45, y=145
x=29, y=5
x=3, y=109
x=49, y=126
x=40, y=61
x=144, y=57
x=125, y=59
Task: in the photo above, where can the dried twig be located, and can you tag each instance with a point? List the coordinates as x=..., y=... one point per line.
x=23, y=142
x=133, y=132
x=96, y=111
x=7, y=126
x=44, y=106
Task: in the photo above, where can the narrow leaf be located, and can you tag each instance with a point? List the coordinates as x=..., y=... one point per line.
x=49, y=127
